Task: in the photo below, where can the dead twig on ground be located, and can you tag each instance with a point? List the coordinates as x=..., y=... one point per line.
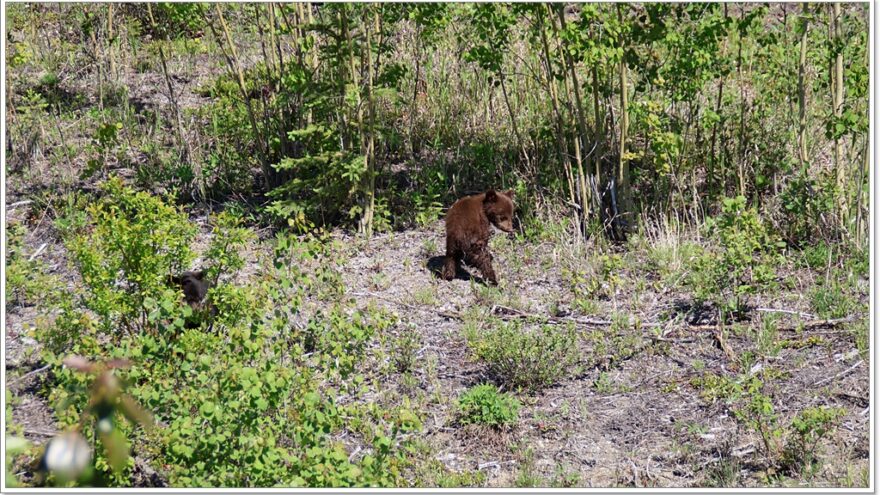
x=18, y=203
x=842, y=373
x=728, y=351
x=38, y=251
x=40, y=433
x=786, y=311
x=30, y=373
x=807, y=325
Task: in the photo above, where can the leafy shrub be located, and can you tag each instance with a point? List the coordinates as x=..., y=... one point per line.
x=758, y=414
x=599, y=280
x=244, y=404
x=483, y=404
x=404, y=348
x=131, y=242
x=26, y=280
x=740, y=261
x=14, y=446
x=531, y=359
x=805, y=203
x=800, y=438
x=241, y=403
x=808, y=429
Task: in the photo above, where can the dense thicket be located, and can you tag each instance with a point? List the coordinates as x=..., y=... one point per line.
x=375, y=115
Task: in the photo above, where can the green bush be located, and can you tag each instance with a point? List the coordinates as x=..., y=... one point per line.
x=483, y=404
x=530, y=359
x=806, y=201
x=26, y=280
x=131, y=242
x=808, y=429
x=244, y=403
x=816, y=257
x=739, y=262
x=759, y=415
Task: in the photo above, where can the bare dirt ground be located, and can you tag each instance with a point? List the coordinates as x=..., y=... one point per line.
x=647, y=426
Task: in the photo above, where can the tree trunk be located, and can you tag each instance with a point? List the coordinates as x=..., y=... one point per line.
x=554, y=99
x=741, y=142
x=110, y=42
x=802, y=91
x=235, y=68
x=599, y=135
x=837, y=94
x=585, y=198
x=366, y=225
x=623, y=167
x=516, y=133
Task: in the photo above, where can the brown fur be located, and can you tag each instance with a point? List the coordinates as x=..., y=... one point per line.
x=195, y=288
x=467, y=231
x=193, y=285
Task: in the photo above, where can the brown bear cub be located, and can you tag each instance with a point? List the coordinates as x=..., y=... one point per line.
x=195, y=288
x=467, y=231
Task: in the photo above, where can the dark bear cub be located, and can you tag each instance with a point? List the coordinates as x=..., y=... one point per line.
x=467, y=231
x=195, y=288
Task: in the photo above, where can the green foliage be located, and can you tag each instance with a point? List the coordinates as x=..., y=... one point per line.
x=482, y=404
x=404, y=349
x=805, y=202
x=818, y=256
x=739, y=263
x=263, y=391
x=131, y=242
x=26, y=280
x=808, y=429
x=244, y=404
x=795, y=446
x=14, y=447
x=599, y=279
x=758, y=414
x=831, y=299
x=530, y=359
x=174, y=20
x=229, y=236
x=491, y=23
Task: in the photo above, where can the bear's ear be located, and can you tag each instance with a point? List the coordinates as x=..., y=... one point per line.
x=509, y=193
x=199, y=275
x=491, y=196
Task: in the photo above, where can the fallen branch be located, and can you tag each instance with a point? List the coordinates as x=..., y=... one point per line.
x=842, y=373
x=743, y=451
x=386, y=299
x=512, y=313
x=791, y=328
x=30, y=373
x=38, y=251
x=508, y=313
x=40, y=433
x=731, y=356
x=825, y=323
x=786, y=311
x=18, y=203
